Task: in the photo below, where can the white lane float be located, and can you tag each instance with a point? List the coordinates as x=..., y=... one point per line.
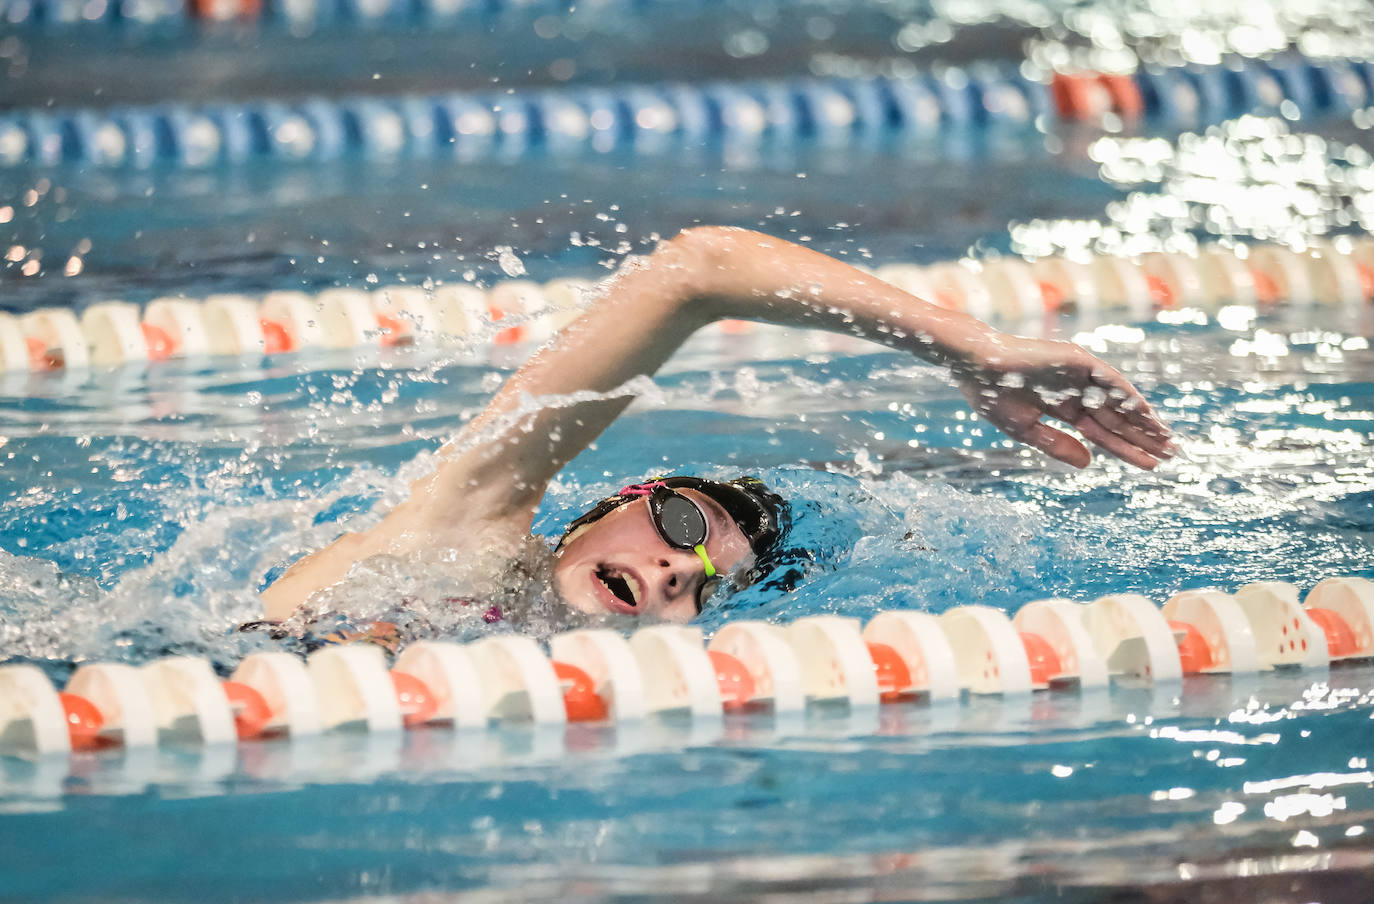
x=182, y=321
x=1226, y=280
x=235, y=327
x=404, y=314
x=519, y=680
x=1131, y=635
x=14, y=346
x=958, y=287
x=32, y=717
x=922, y=647
x=293, y=315
x=910, y=278
x=55, y=338
x=1335, y=277
x=286, y=686
x=354, y=689
x=569, y=297
x=991, y=657
x=1282, y=274
x=1344, y=609
x=346, y=318
x=1067, y=285
x=1285, y=635
x=835, y=660
x=1016, y=294
x=768, y=657
x=453, y=679
x=114, y=334
x=1123, y=285
x=118, y=693
x=1058, y=646
x=522, y=302
x=1217, y=637
x=461, y=310
x=1361, y=251
x=188, y=701
x=608, y=664
x=1176, y=279
x=678, y=674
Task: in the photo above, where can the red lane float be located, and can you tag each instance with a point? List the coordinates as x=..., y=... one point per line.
x=1194, y=655
x=251, y=712
x=1090, y=95
x=580, y=699
x=157, y=342
x=413, y=696
x=276, y=340
x=1350, y=604
x=894, y=678
x=1080, y=95
x=84, y=722
x=1340, y=640
x=1043, y=661
x=733, y=678
x=1059, y=624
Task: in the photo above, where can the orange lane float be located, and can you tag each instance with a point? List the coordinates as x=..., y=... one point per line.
x=894, y=678
x=251, y=712
x=84, y=721
x=580, y=698
x=1090, y=95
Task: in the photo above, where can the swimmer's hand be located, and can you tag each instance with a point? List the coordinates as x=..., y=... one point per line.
x=1014, y=382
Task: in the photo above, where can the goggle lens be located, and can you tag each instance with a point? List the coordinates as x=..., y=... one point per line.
x=678, y=519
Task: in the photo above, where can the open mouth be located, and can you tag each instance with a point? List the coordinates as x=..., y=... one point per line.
x=622, y=585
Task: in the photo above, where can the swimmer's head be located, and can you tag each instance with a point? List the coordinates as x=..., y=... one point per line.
x=659, y=548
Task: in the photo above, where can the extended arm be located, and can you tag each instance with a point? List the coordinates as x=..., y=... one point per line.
x=494, y=473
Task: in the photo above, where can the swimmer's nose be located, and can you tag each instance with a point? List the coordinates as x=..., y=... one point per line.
x=678, y=575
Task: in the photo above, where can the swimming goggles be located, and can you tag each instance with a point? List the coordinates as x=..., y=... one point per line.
x=681, y=523
x=678, y=520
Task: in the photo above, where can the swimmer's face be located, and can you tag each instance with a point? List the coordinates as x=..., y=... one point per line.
x=620, y=563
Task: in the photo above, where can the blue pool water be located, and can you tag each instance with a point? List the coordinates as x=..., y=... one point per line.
x=141, y=510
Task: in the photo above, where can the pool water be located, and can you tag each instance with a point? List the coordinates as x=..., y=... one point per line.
x=141, y=510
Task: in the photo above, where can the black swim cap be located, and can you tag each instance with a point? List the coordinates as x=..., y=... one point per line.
x=759, y=513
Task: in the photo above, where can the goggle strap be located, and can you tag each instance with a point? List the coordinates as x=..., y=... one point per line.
x=700, y=550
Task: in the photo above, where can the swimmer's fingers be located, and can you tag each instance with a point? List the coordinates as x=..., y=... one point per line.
x=1020, y=420
x=1117, y=445
x=1131, y=430
x=1055, y=443
x=1125, y=402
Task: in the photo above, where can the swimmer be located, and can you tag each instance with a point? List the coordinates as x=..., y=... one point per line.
x=656, y=548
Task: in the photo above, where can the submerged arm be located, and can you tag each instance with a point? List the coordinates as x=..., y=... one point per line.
x=494, y=473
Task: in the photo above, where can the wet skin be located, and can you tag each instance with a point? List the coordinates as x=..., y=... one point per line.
x=621, y=564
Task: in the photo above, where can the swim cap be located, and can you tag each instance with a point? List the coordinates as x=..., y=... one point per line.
x=759, y=513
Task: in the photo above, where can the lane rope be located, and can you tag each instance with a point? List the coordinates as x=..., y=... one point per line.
x=598, y=675
x=1008, y=290
x=654, y=117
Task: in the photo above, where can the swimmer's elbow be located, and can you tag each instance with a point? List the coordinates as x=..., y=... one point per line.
x=706, y=247
x=703, y=257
